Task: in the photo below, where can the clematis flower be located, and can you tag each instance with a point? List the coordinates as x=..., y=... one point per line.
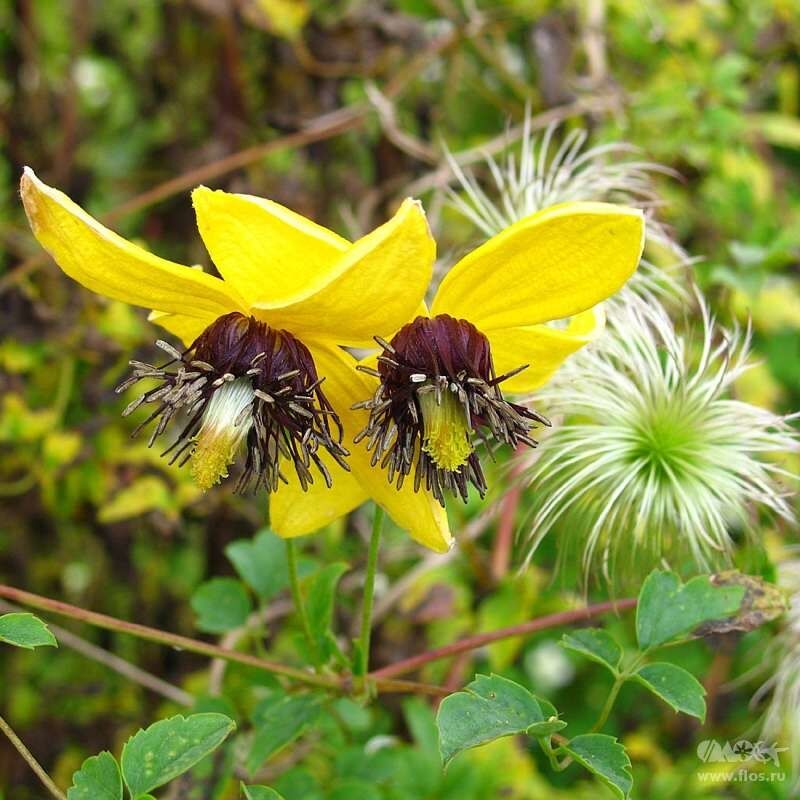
x=437, y=385
x=262, y=370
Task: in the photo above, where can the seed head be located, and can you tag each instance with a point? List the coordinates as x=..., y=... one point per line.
x=656, y=460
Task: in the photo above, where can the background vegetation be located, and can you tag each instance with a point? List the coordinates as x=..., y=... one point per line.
x=338, y=110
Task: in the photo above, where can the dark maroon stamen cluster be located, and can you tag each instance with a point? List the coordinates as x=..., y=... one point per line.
x=438, y=355
x=290, y=413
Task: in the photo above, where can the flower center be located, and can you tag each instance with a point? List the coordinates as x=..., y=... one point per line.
x=226, y=422
x=446, y=436
x=437, y=391
x=242, y=385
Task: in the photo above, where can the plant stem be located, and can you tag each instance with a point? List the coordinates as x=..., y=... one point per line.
x=32, y=762
x=164, y=637
x=335, y=683
x=547, y=747
x=610, y=700
x=504, y=538
x=619, y=679
x=369, y=591
x=481, y=639
x=297, y=596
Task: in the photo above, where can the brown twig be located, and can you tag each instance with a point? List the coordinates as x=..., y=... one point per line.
x=114, y=662
x=443, y=175
x=387, y=115
x=323, y=127
x=179, y=642
x=481, y=639
x=216, y=672
x=162, y=637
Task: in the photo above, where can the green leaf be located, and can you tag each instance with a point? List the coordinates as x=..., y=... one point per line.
x=261, y=563
x=605, y=757
x=25, y=630
x=260, y=793
x=319, y=606
x=144, y=494
x=780, y=129
x=221, y=605
x=488, y=708
x=675, y=686
x=97, y=779
x=596, y=644
x=168, y=748
x=762, y=603
x=279, y=719
x=668, y=609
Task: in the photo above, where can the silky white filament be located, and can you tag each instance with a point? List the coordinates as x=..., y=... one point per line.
x=656, y=459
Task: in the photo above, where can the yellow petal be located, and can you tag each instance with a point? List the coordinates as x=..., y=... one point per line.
x=106, y=263
x=187, y=329
x=293, y=512
x=553, y=264
x=374, y=288
x=265, y=251
x=541, y=347
x=416, y=512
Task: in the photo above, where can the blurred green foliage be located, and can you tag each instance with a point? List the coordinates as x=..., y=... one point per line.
x=110, y=99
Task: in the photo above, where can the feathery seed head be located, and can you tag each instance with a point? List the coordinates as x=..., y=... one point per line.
x=656, y=460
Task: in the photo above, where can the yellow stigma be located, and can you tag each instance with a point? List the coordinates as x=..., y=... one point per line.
x=446, y=437
x=226, y=422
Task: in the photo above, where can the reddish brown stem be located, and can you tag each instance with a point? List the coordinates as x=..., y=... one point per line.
x=501, y=554
x=200, y=647
x=481, y=639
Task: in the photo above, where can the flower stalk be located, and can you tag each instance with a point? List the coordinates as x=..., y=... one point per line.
x=362, y=668
x=297, y=596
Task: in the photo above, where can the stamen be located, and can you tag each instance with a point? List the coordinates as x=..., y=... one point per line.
x=242, y=386
x=437, y=391
x=445, y=436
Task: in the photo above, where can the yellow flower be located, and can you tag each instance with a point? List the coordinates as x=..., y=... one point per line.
x=259, y=340
x=437, y=381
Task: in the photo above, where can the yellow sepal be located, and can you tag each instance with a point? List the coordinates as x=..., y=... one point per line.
x=374, y=288
x=267, y=252
x=541, y=347
x=104, y=262
x=294, y=512
x=550, y=265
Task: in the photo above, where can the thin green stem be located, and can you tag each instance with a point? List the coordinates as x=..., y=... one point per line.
x=46, y=780
x=547, y=747
x=297, y=596
x=369, y=592
x=610, y=700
